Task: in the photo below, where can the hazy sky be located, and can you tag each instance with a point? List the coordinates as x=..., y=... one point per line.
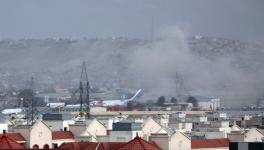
x=236, y=19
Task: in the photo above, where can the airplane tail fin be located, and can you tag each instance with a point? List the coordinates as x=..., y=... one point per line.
x=137, y=95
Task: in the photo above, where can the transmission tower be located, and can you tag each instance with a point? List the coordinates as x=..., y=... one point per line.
x=30, y=102
x=84, y=89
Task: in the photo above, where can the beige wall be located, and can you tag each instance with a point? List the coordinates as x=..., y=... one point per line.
x=95, y=128
x=40, y=134
x=92, y=130
x=253, y=136
x=179, y=141
x=150, y=126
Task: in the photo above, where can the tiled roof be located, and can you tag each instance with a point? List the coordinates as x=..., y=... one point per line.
x=79, y=146
x=8, y=143
x=56, y=135
x=14, y=136
x=136, y=144
x=110, y=145
x=139, y=144
x=210, y=143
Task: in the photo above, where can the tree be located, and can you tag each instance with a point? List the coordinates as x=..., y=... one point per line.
x=192, y=100
x=160, y=101
x=174, y=100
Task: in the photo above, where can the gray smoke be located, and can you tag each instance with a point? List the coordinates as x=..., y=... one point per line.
x=173, y=64
x=168, y=67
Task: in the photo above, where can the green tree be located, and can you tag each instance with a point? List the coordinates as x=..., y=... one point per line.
x=174, y=100
x=161, y=101
x=192, y=100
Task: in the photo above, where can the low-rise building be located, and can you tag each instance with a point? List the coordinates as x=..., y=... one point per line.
x=172, y=141
x=88, y=130
x=38, y=135
x=125, y=131
x=58, y=122
x=150, y=126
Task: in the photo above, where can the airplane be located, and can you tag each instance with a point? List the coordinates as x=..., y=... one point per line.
x=120, y=102
x=12, y=111
x=106, y=103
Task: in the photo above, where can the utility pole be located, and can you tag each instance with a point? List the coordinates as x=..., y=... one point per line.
x=32, y=100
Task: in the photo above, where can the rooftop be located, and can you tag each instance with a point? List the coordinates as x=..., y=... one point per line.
x=57, y=117
x=56, y=135
x=8, y=143
x=209, y=143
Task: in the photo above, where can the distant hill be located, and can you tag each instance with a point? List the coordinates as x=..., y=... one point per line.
x=215, y=66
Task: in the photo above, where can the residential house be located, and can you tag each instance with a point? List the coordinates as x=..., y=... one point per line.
x=37, y=135
x=173, y=141
x=150, y=126
x=135, y=144
x=125, y=131
x=58, y=122
x=89, y=130
x=181, y=126
x=236, y=134
x=253, y=135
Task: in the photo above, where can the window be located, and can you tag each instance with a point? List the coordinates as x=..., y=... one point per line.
x=46, y=146
x=35, y=146
x=55, y=145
